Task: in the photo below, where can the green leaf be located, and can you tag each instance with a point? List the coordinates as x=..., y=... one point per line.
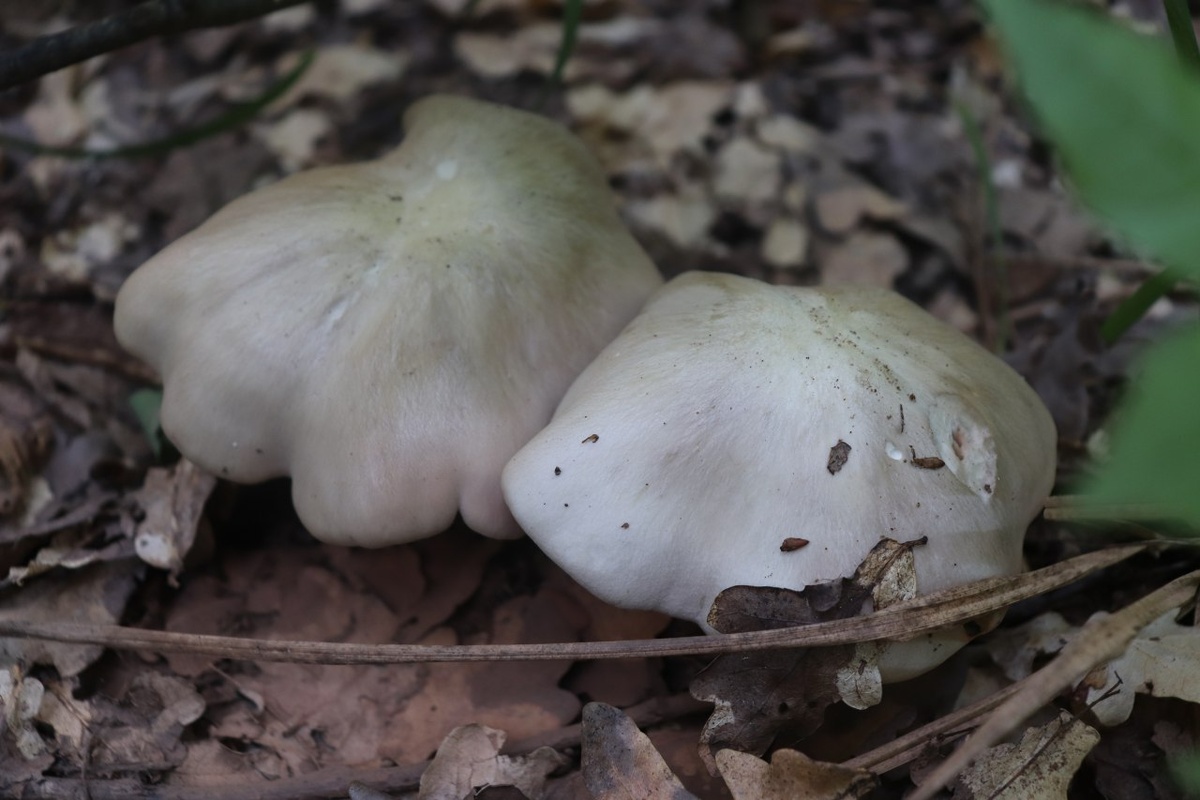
x=146, y=404
x=1179, y=20
x=572, y=16
x=1186, y=771
x=1156, y=441
x=1134, y=307
x=1123, y=114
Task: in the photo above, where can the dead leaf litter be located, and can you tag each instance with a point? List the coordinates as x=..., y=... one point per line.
x=795, y=143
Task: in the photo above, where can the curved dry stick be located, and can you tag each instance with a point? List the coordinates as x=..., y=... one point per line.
x=901, y=621
x=904, y=749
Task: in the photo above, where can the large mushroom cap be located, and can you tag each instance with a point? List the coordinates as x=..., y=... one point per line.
x=390, y=333
x=731, y=415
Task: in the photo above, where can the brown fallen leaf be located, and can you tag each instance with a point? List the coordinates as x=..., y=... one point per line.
x=20, y=698
x=173, y=500
x=676, y=743
x=469, y=759
x=1039, y=767
x=523, y=699
x=95, y=594
x=759, y=695
x=791, y=775
x=292, y=716
x=870, y=258
x=146, y=724
x=17, y=772
x=840, y=209
x=618, y=682
x=620, y=763
x=26, y=433
x=289, y=717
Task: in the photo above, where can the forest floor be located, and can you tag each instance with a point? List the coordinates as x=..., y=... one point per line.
x=799, y=142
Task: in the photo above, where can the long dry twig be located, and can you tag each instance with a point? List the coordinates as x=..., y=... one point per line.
x=901, y=621
x=1081, y=508
x=904, y=749
x=1099, y=641
x=145, y=20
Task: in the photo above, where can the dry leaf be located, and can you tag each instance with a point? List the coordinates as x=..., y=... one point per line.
x=146, y=724
x=173, y=499
x=67, y=716
x=532, y=48
x=620, y=763
x=786, y=243
x=670, y=119
x=865, y=258
x=73, y=254
x=757, y=695
x=618, y=682
x=789, y=776
x=839, y=210
x=747, y=172
x=26, y=434
x=683, y=217
x=788, y=133
x=1160, y=662
x=1039, y=767
x=676, y=743
x=96, y=594
x=1016, y=649
x=341, y=72
x=469, y=759
x=293, y=140
x=20, y=699
x=55, y=117
x=295, y=714
x=1048, y=221
x=523, y=699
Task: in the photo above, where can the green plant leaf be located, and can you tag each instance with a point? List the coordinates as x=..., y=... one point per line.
x=146, y=404
x=1179, y=20
x=1135, y=306
x=1186, y=771
x=1123, y=114
x=1156, y=441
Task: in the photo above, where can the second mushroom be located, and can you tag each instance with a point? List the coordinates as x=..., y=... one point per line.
x=738, y=433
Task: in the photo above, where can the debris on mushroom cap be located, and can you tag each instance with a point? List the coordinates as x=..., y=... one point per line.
x=733, y=415
x=390, y=333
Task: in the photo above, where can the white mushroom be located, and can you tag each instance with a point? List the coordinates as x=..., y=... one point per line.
x=390, y=333
x=732, y=416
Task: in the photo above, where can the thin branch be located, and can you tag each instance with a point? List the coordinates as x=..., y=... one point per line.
x=1099, y=641
x=1082, y=508
x=908, y=747
x=902, y=621
x=154, y=18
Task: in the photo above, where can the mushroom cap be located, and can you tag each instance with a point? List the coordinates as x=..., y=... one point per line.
x=390, y=333
x=731, y=415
